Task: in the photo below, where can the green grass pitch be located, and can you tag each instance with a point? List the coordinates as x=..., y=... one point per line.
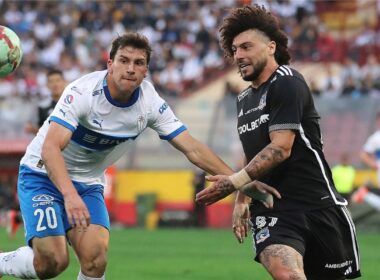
x=168, y=254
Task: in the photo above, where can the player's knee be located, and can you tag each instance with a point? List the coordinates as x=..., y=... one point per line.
x=49, y=264
x=94, y=261
x=285, y=274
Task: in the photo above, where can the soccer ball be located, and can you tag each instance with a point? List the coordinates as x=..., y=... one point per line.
x=10, y=51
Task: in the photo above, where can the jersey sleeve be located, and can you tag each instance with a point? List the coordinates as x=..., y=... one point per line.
x=372, y=144
x=163, y=120
x=70, y=107
x=286, y=98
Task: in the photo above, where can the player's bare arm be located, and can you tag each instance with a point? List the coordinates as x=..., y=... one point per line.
x=199, y=154
x=271, y=156
x=285, y=257
x=203, y=157
x=56, y=139
x=368, y=159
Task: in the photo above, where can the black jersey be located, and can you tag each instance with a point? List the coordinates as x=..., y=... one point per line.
x=284, y=101
x=44, y=112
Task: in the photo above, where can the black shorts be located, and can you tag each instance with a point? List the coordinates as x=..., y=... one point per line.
x=325, y=238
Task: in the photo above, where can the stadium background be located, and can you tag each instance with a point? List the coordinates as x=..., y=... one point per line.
x=335, y=44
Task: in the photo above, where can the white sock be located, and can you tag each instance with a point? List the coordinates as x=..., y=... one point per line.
x=84, y=277
x=18, y=263
x=373, y=200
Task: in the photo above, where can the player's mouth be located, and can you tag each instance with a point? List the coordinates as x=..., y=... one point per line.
x=243, y=66
x=129, y=79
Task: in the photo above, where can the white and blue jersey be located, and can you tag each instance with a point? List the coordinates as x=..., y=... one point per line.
x=102, y=130
x=372, y=146
x=102, y=127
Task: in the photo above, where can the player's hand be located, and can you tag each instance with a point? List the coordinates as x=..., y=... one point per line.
x=77, y=212
x=240, y=220
x=221, y=188
x=261, y=191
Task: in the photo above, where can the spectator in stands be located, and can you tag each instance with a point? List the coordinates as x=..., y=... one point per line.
x=344, y=175
x=351, y=88
x=331, y=84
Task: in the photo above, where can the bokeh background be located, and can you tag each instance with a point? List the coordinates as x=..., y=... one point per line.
x=335, y=44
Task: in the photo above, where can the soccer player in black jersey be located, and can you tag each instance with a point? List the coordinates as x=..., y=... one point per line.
x=56, y=84
x=309, y=234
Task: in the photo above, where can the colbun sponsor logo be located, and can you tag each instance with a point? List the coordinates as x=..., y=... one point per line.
x=254, y=124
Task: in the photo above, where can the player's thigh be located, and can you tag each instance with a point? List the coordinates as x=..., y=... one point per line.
x=41, y=205
x=278, y=228
x=277, y=258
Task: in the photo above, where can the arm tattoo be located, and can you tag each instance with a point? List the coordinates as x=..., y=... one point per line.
x=267, y=159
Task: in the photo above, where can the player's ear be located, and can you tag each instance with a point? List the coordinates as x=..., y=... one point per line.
x=272, y=47
x=109, y=66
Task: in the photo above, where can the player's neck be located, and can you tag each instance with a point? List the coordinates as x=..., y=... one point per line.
x=264, y=76
x=115, y=93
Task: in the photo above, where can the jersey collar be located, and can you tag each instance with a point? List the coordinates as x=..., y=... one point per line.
x=135, y=95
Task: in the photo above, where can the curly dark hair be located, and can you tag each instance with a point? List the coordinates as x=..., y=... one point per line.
x=131, y=39
x=256, y=17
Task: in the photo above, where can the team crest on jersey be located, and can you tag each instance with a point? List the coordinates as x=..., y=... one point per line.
x=69, y=99
x=141, y=123
x=262, y=235
x=263, y=101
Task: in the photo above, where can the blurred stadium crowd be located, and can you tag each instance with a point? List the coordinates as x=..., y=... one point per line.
x=74, y=36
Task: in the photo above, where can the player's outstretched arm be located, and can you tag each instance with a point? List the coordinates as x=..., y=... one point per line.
x=270, y=157
x=200, y=154
x=56, y=140
x=223, y=187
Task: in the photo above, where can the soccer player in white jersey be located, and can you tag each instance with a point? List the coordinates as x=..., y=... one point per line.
x=61, y=177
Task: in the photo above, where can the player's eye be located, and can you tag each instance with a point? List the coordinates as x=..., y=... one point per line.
x=140, y=62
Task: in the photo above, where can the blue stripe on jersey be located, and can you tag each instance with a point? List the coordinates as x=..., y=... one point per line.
x=377, y=154
x=96, y=141
x=174, y=133
x=135, y=95
x=62, y=122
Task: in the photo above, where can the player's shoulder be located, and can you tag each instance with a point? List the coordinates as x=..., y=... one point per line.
x=148, y=88
x=376, y=135
x=88, y=83
x=148, y=92
x=286, y=73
